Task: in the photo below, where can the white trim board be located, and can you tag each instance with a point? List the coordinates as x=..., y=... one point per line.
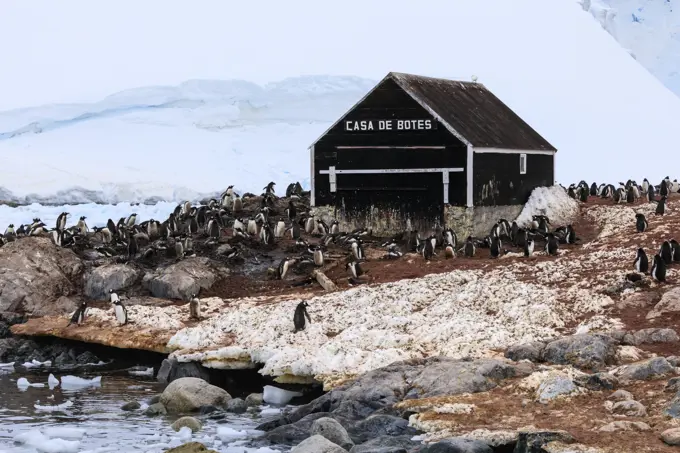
x=312, y=198
x=470, y=158
x=512, y=151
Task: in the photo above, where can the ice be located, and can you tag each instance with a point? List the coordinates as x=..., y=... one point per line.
x=58, y=408
x=552, y=202
x=52, y=381
x=44, y=444
x=227, y=434
x=23, y=383
x=7, y=365
x=75, y=382
x=266, y=410
x=275, y=395
x=35, y=364
x=145, y=372
x=185, y=434
x=65, y=433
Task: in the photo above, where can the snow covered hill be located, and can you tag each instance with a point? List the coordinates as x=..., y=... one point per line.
x=608, y=116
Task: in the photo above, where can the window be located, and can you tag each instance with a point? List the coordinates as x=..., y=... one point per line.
x=522, y=164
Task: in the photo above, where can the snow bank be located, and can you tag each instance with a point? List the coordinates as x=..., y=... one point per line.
x=274, y=395
x=552, y=202
x=76, y=383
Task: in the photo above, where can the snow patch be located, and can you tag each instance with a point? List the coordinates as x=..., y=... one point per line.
x=58, y=408
x=76, y=383
x=274, y=395
x=552, y=202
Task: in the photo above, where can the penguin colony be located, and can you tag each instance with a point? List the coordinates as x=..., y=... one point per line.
x=190, y=227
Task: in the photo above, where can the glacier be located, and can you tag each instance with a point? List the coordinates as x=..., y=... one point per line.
x=608, y=116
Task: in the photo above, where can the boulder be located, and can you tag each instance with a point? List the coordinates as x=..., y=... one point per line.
x=669, y=303
x=674, y=360
x=531, y=442
x=101, y=279
x=317, y=444
x=131, y=406
x=333, y=431
x=649, y=336
x=624, y=425
x=648, y=369
x=386, y=444
x=621, y=395
x=172, y=370
x=191, y=447
x=554, y=388
x=380, y=425
x=457, y=445
x=673, y=408
x=189, y=422
x=34, y=274
x=155, y=409
x=673, y=385
x=254, y=399
x=597, y=381
x=526, y=351
x=629, y=409
x=181, y=280
x=671, y=436
x=189, y=394
x=236, y=406
x=585, y=351
x=9, y=319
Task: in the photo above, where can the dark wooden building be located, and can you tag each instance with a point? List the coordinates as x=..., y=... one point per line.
x=415, y=147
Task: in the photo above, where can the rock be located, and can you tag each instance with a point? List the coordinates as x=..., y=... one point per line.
x=254, y=399
x=181, y=280
x=669, y=303
x=131, y=406
x=155, y=409
x=586, y=351
x=555, y=387
x=673, y=385
x=209, y=409
x=191, y=447
x=386, y=444
x=674, y=360
x=617, y=335
x=653, y=335
x=526, y=351
x=236, y=406
x=7, y=347
x=628, y=354
x=189, y=394
x=457, y=445
x=621, y=395
x=154, y=399
x=629, y=409
x=624, y=425
x=597, y=381
x=101, y=279
x=189, y=422
x=671, y=436
x=648, y=369
x=63, y=359
x=9, y=319
x=380, y=425
x=317, y=444
x=333, y=431
x=284, y=435
x=34, y=275
x=673, y=408
x=531, y=442
x=87, y=358
x=172, y=370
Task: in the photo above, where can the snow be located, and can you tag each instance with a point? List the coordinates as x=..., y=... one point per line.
x=227, y=434
x=191, y=139
x=145, y=372
x=45, y=444
x=552, y=202
x=275, y=395
x=36, y=364
x=65, y=432
x=76, y=383
x=58, y=408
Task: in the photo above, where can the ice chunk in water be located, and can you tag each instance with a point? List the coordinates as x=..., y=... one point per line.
x=52, y=381
x=60, y=407
x=64, y=433
x=274, y=395
x=75, y=382
x=227, y=434
x=43, y=444
x=23, y=383
x=185, y=434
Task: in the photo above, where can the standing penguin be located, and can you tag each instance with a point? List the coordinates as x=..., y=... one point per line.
x=114, y=297
x=663, y=190
x=357, y=249
x=593, y=189
x=450, y=238
x=194, y=308
x=641, y=223
x=495, y=247
x=551, y=245
x=237, y=205
x=318, y=256
x=61, y=221
x=132, y=246
x=280, y=228
x=584, y=194
x=630, y=195
x=79, y=315
x=651, y=193
x=284, y=266
x=645, y=185
x=570, y=237
x=131, y=220
x=335, y=227
x=300, y=315
x=659, y=269
x=121, y=312
x=676, y=250
x=528, y=245
x=428, y=249
x=214, y=228
x=666, y=252
x=179, y=249
x=661, y=206
x=291, y=212
x=641, y=261
x=469, y=247
x=310, y=224
x=449, y=251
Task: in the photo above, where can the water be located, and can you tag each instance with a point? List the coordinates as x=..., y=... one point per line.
x=107, y=428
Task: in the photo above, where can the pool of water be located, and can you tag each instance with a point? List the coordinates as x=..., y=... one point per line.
x=107, y=428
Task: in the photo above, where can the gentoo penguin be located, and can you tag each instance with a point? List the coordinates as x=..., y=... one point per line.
x=213, y=228
x=280, y=228
x=528, y=245
x=641, y=223
x=659, y=269
x=300, y=315
x=355, y=269
x=450, y=238
x=252, y=228
x=335, y=227
x=318, y=256
x=651, y=193
x=179, y=248
x=294, y=231
x=551, y=245
x=571, y=192
x=570, y=237
x=449, y=251
x=645, y=185
x=130, y=221
x=238, y=224
x=543, y=223
x=310, y=224
x=238, y=204
x=630, y=195
x=132, y=246
x=676, y=250
x=433, y=240
x=495, y=248
x=114, y=297
x=57, y=237
x=186, y=208
x=428, y=249
x=194, y=308
x=269, y=188
x=661, y=206
x=593, y=189
x=663, y=190
x=121, y=312
x=666, y=252
x=393, y=251
x=291, y=212
x=192, y=225
x=83, y=225
x=469, y=247
x=61, y=221
x=10, y=234
x=641, y=261
x=357, y=249
x=266, y=234
x=583, y=194
x=79, y=315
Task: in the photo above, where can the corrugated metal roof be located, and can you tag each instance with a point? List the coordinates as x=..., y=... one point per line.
x=473, y=111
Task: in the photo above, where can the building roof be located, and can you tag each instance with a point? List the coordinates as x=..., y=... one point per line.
x=470, y=111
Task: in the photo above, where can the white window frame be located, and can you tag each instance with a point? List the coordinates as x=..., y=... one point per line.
x=522, y=159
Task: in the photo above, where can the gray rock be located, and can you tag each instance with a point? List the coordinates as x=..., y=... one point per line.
x=532, y=442
x=155, y=409
x=283, y=435
x=87, y=358
x=526, y=351
x=35, y=285
x=669, y=303
x=629, y=409
x=333, y=431
x=236, y=406
x=189, y=422
x=621, y=395
x=154, y=399
x=625, y=425
x=674, y=360
x=673, y=385
x=254, y=399
x=673, y=408
x=131, y=406
x=617, y=335
x=555, y=387
x=597, y=381
x=671, y=436
x=380, y=425
x=649, y=336
x=62, y=359
x=101, y=279
x=181, y=280
x=317, y=444
x=386, y=444
x=7, y=346
x=172, y=370
x=586, y=351
x=189, y=394
x=209, y=409
x=648, y=369
x=457, y=445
